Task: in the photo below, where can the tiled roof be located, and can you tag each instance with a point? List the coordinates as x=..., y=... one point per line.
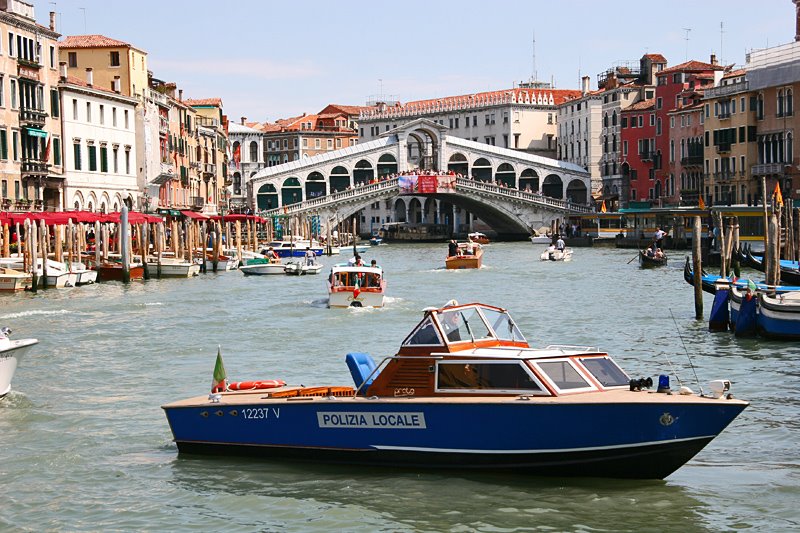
x=347, y=109
x=656, y=58
x=735, y=73
x=331, y=115
x=690, y=66
x=203, y=101
x=521, y=94
x=642, y=106
x=91, y=41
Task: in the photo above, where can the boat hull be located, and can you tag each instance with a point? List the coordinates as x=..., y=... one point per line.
x=10, y=355
x=637, y=440
x=15, y=282
x=646, y=261
x=460, y=262
x=779, y=318
x=175, y=270
x=345, y=298
x=266, y=269
x=113, y=272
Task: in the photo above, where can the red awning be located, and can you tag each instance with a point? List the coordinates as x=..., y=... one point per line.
x=194, y=215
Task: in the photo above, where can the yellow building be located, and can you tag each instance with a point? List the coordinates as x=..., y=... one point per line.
x=730, y=142
x=110, y=60
x=212, y=143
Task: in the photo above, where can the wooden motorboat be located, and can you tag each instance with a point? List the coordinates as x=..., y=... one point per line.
x=465, y=260
x=14, y=280
x=478, y=237
x=465, y=391
x=113, y=271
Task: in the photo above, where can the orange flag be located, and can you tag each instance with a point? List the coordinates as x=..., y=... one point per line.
x=778, y=195
x=701, y=204
x=603, y=207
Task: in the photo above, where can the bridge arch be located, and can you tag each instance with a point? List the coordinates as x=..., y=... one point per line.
x=482, y=169
x=387, y=165
x=267, y=197
x=429, y=213
x=363, y=172
x=400, y=210
x=506, y=175
x=459, y=164
x=339, y=179
x=291, y=191
x=528, y=178
x=577, y=192
x=315, y=185
x=415, y=214
x=423, y=147
x=553, y=186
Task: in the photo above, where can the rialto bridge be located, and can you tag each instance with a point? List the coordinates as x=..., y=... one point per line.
x=511, y=191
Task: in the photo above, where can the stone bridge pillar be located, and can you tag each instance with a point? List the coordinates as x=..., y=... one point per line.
x=402, y=151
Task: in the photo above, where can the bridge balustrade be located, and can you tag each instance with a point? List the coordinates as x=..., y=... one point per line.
x=523, y=195
x=336, y=197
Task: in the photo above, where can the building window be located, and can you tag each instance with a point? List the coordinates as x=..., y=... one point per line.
x=88, y=111
x=114, y=116
x=330, y=144
x=114, y=59
x=57, y=151
x=789, y=103
x=13, y=94
x=15, y=145
x=3, y=143
x=72, y=59
x=103, y=158
x=102, y=115
x=92, y=158
x=317, y=144
x=115, y=157
x=126, y=119
x=77, y=155
x=658, y=103
x=305, y=142
x=127, y=161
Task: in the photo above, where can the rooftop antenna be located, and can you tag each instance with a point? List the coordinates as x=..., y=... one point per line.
x=687, y=30
x=535, y=76
x=721, y=33
x=84, y=18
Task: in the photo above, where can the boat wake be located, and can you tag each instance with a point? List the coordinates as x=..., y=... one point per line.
x=148, y=304
x=35, y=312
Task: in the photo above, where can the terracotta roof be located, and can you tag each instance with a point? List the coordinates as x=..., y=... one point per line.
x=332, y=115
x=91, y=41
x=203, y=101
x=690, y=66
x=641, y=106
x=735, y=73
x=532, y=95
x=656, y=58
x=347, y=109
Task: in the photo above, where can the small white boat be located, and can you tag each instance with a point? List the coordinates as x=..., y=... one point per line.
x=557, y=255
x=224, y=264
x=10, y=354
x=262, y=267
x=296, y=268
x=541, y=239
x=85, y=275
x=173, y=267
x=58, y=275
x=14, y=280
x=356, y=286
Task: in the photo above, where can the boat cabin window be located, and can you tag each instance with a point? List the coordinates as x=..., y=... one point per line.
x=503, y=326
x=348, y=279
x=425, y=335
x=606, y=371
x=563, y=375
x=464, y=324
x=500, y=376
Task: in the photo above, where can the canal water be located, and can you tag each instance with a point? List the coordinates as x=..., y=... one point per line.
x=85, y=446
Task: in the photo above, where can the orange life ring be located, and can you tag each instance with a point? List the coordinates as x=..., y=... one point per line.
x=256, y=385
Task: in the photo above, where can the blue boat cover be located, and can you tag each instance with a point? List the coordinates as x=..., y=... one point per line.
x=720, y=317
x=746, y=319
x=361, y=366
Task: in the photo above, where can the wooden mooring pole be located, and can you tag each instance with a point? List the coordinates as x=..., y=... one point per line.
x=697, y=268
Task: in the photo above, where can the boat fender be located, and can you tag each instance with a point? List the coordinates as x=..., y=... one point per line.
x=256, y=385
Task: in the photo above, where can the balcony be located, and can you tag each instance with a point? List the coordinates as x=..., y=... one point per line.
x=724, y=115
x=724, y=175
x=34, y=168
x=723, y=148
x=648, y=156
x=197, y=202
x=692, y=161
x=726, y=90
x=32, y=117
x=29, y=63
x=768, y=169
x=209, y=169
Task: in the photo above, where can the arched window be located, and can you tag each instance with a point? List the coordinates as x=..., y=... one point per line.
x=605, y=120
x=780, y=102
x=253, y=152
x=789, y=148
x=760, y=106
x=789, y=103
x=614, y=119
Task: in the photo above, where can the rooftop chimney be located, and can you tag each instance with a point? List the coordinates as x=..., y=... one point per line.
x=62, y=70
x=180, y=95
x=89, y=77
x=117, y=84
x=53, y=20
x=244, y=119
x=585, y=84
x=714, y=59
x=797, y=22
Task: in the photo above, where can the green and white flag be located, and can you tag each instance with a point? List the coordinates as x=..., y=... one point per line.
x=218, y=383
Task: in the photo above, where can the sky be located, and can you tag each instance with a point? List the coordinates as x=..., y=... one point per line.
x=270, y=59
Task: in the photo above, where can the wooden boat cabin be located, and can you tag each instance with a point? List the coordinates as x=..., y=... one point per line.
x=477, y=350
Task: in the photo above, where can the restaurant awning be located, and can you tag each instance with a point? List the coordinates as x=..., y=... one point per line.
x=194, y=214
x=162, y=179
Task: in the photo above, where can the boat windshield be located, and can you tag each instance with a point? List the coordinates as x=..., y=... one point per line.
x=605, y=371
x=503, y=325
x=464, y=324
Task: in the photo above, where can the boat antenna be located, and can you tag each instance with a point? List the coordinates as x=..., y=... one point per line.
x=687, y=356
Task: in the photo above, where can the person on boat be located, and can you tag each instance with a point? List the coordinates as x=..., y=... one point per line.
x=470, y=248
x=551, y=252
x=373, y=264
x=651, y=250
x=659, y=254
x=658, y=236
x=272, y=255
x=560, y=244
x=452, y=248
x=356, y=261
x=311, y=257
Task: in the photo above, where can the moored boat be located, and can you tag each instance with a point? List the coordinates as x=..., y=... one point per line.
x=10, y=354
x=464, y=259
x=12, y=280
x=466, y=392
x=262, y=267
x=356, y=286
x=173, y=267
x=299, y=268
x=225, y=263
x=113, y=271
x=779, y=315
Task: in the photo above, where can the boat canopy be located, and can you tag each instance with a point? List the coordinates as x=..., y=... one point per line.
x=473, y=323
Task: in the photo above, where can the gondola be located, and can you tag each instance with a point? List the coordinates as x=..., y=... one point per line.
x=645, y=261
x=707, y=280
x=790, y=274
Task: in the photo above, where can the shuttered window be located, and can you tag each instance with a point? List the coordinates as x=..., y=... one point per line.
x=77, y=151
x=92, y=158
x=3, y=144
x=56, y=151
x=54, y=104
x=103, y=159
